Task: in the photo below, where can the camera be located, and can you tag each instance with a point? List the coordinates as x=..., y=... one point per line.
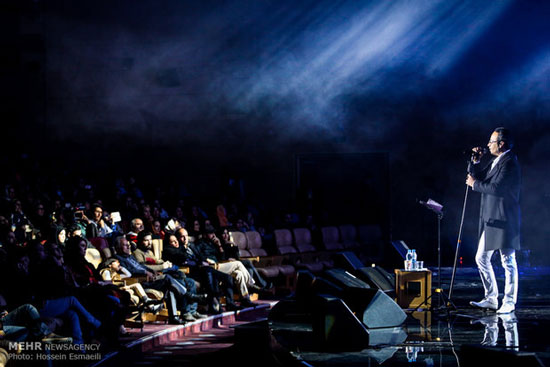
x=79, y=211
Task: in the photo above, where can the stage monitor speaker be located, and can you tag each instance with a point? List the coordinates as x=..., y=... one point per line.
x=344, y=279
x=347, y=260
x=324, y=286
x=477, y=355
x=372, y=306
x=290, y=310
x=376, y=277
x=335, y=327
x=304, y=283
x=375, y=308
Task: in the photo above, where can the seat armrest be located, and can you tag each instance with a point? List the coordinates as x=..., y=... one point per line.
x=254, y=259
x=133, y=280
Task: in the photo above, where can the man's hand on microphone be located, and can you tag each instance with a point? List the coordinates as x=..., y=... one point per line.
x=477, y=153
x=470, y=181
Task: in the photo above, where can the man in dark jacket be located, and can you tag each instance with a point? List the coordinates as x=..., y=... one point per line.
x=174, y=291
x=499, y=222
x=187, y=254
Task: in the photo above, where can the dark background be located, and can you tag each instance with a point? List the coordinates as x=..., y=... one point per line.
x=197, y=92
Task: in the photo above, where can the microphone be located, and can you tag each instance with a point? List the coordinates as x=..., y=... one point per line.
x=482, y=151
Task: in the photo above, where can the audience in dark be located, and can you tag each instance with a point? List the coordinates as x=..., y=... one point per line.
x=48, y=225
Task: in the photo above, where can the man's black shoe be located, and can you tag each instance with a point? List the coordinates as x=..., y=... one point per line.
x=176, y=321
x=246, y=302
x=254, y=288
x=153, y=308
x=233, y=307
x=214, y=308
x=151, y=301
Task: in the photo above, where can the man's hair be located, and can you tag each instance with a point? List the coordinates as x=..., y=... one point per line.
x=209, y=229
x=133, y=222
x=118, y=242
x=141, y=235
x=505, y=136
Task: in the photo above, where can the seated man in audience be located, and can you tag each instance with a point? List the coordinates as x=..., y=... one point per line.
x=145, y=255
x=185, y=253
x=207, y=247
x=97, y=226
x=136, y=226
x=173, y=290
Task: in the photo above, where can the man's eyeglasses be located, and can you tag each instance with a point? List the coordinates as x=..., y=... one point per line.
x=493, y=141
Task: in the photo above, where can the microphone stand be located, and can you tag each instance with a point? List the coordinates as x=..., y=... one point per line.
x=439, y=291
x=459, y=240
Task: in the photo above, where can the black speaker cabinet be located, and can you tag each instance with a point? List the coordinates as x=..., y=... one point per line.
x=304, y=283
x=335, y=327
x=372, y=306
x=347, y=260
x=376, y=277
x=344, y=279
x=379, y=310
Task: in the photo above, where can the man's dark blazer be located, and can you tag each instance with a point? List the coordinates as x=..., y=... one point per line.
x=500, y=215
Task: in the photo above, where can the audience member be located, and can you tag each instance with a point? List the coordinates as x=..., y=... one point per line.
x=218, y=283
x=136, y=226
x=174, y=292
x=112, y=271
x=97, y=227
x=156, y=230
x=145, y=255
x=208, y=247
x=228, y=251
x=24, y=323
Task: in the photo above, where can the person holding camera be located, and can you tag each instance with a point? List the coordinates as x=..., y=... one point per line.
x=97, y=227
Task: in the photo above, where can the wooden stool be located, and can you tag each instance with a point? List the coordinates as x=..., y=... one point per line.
x=413, y=288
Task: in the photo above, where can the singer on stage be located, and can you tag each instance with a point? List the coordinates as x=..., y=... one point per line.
x=499, y=222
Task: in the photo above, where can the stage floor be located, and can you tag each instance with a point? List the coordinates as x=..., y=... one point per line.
x=465, y=336
x=462, y=337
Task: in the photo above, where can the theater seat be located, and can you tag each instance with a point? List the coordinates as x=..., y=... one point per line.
x=268, y=266
x=269, y=272
x=93, y=256
x=254, y=241
x=102, y=245
x=283, y=242
x=240, y=240
x=302, y=240
x=99, y=242
x=348, y=236
x=309, y=261
x=157, y=248
x=331, y=238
